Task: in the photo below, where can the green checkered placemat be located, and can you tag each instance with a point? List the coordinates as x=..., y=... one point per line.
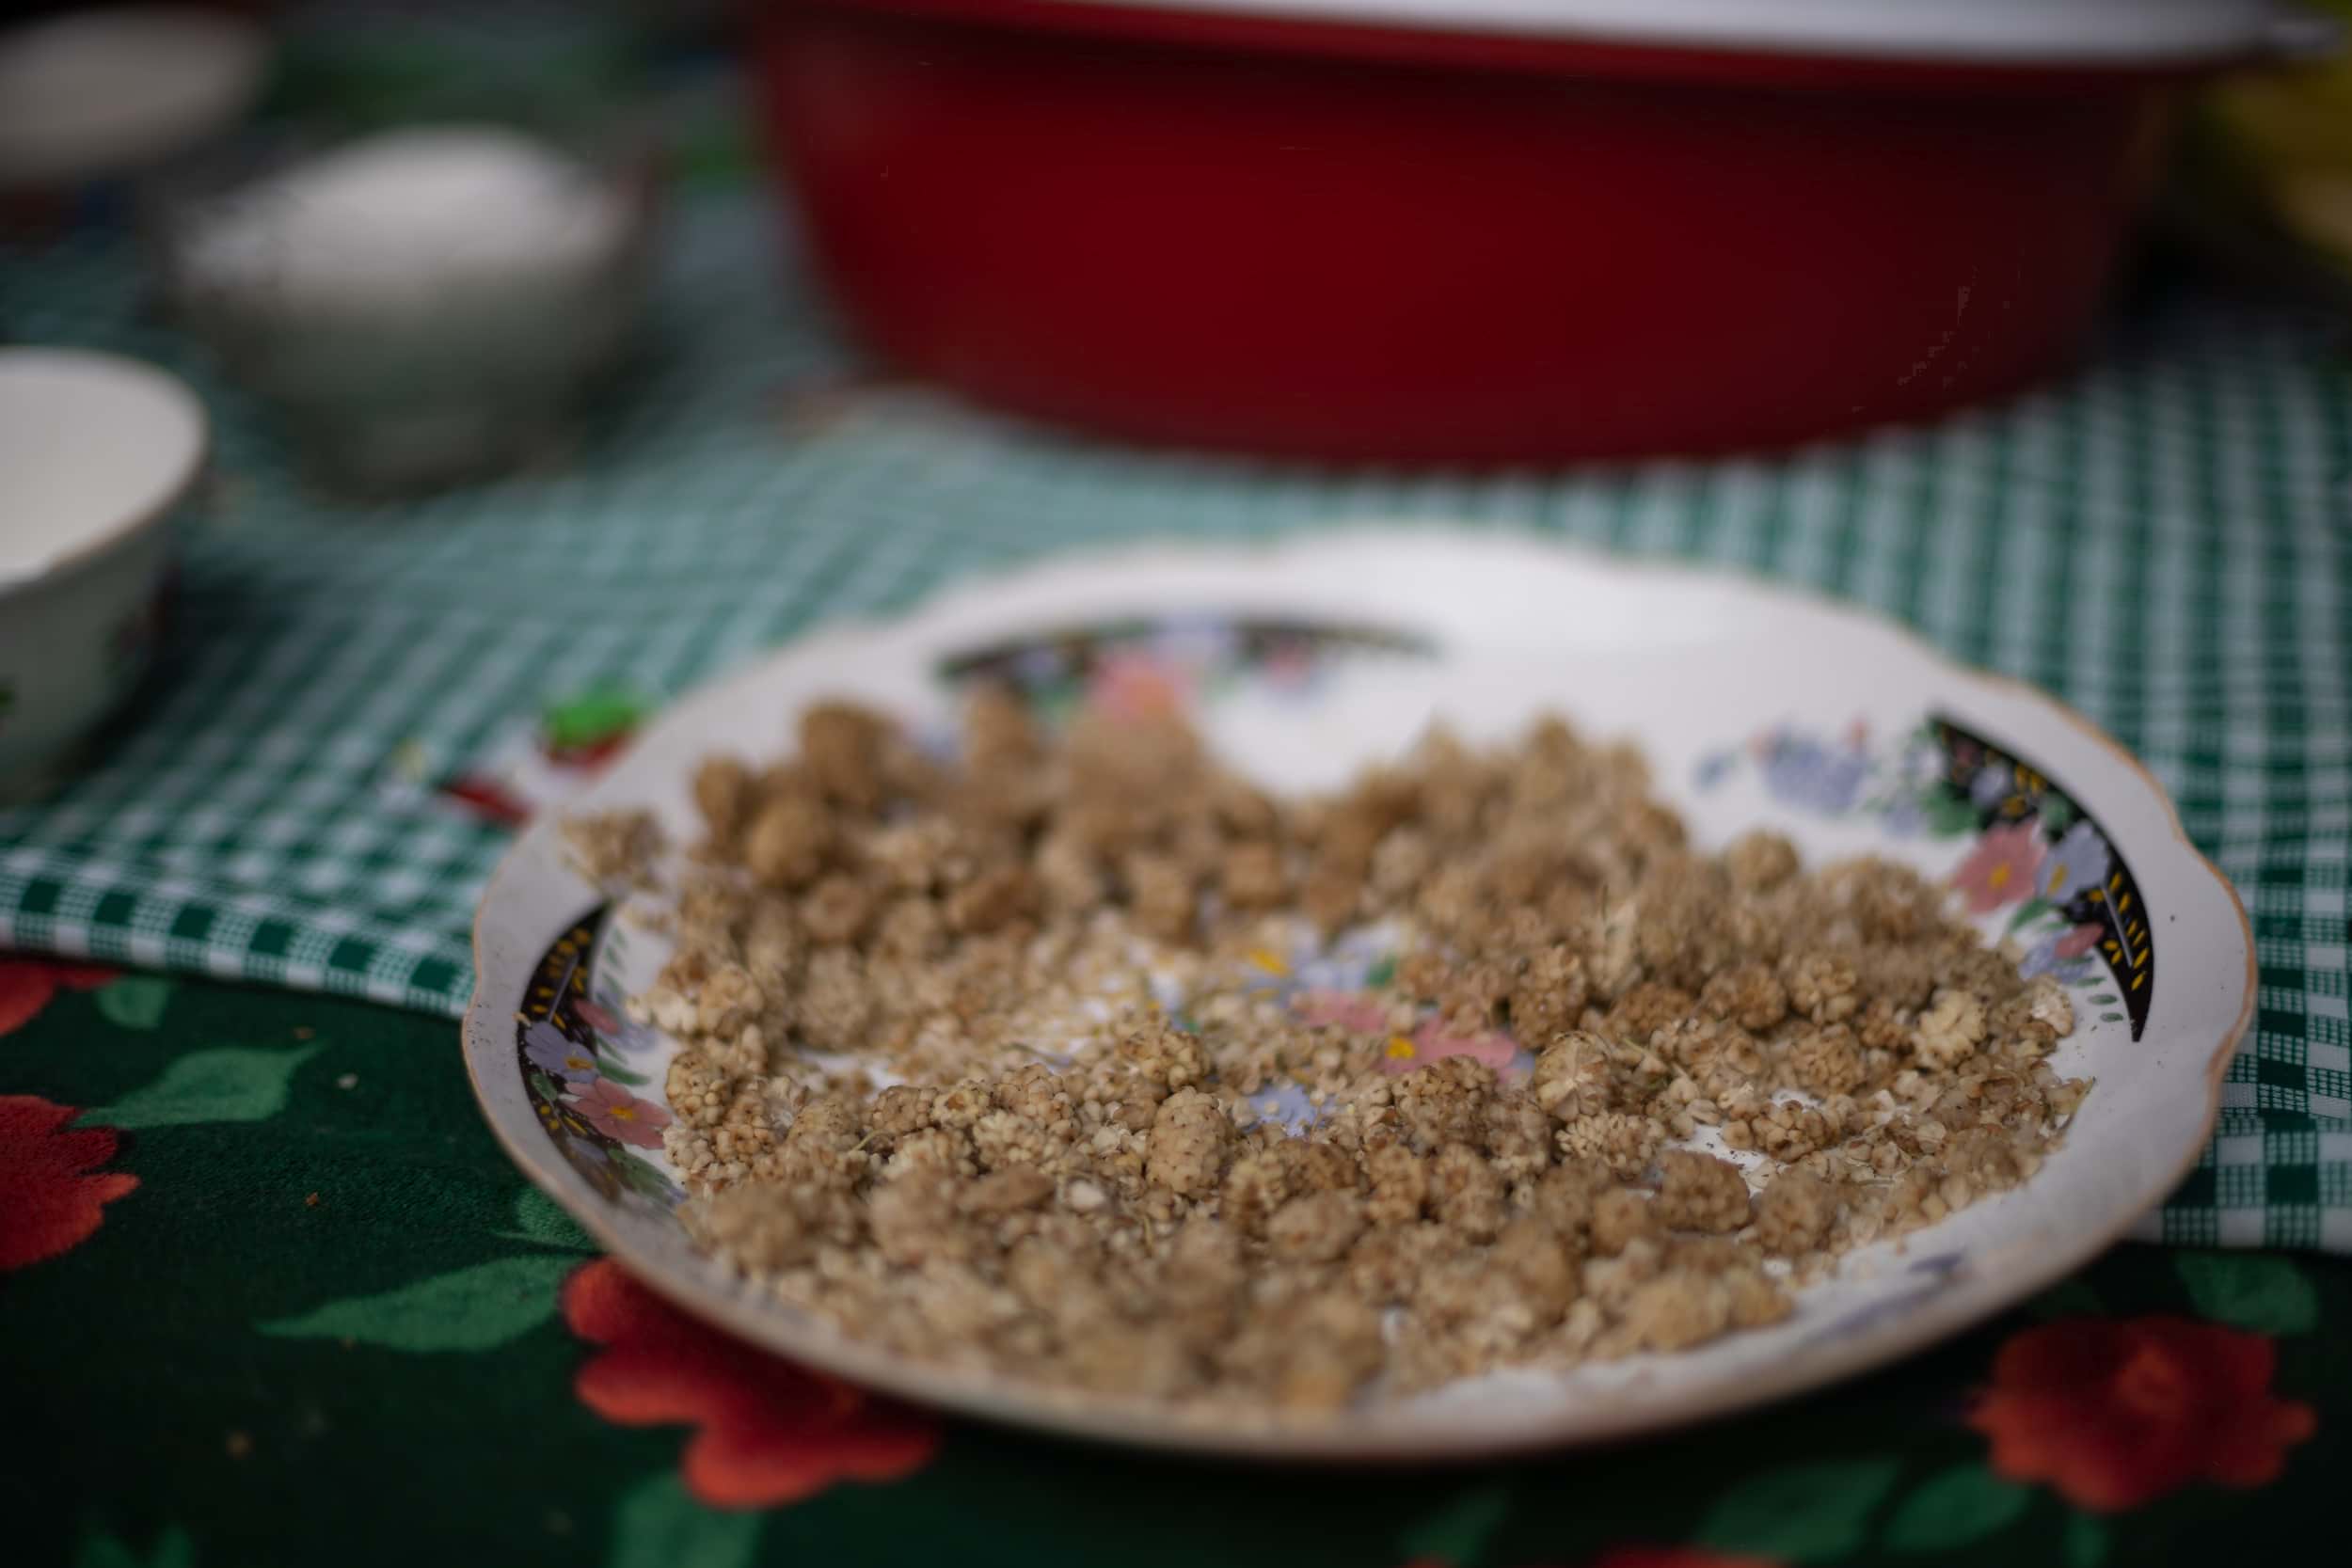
x=2165, y=540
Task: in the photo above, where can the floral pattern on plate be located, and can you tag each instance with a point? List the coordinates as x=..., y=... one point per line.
x=1505, y=628
x=2034, y=854
x=576, y=1043
x=1142, y=668
x=572, y=1043
x=2036, y=861
x=1337, y=983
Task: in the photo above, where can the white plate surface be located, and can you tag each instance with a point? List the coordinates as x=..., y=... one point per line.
x=1755, y=705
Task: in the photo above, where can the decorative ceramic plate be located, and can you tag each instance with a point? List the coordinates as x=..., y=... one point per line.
x=1303, y=662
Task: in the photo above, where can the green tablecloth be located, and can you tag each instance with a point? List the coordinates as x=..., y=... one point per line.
x=2164, y=540
x=276, y=1298
x=269, y=1295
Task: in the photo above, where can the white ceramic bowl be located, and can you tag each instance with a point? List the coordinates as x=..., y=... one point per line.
x=117, y=89
x=394, y=381
x=96, y=453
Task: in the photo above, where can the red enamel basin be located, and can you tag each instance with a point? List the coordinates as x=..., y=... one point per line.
x=1293, y=227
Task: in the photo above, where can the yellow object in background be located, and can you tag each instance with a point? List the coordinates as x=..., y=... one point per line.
x=2285, y=137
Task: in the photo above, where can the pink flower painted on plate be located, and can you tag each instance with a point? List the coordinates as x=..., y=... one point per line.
x=2049, y=954
x=1355, y=1012
x=618, y=1114
x=1432, y=1043
x=1289, y=664
x=2000, y=870
x=599, y=1018
x=1134, y=686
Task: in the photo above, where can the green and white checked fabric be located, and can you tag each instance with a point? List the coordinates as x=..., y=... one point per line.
x=2165, y=541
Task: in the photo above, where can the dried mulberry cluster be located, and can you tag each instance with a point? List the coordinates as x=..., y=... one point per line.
x=976, y=1058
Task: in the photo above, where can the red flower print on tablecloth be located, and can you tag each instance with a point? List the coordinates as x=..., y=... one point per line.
x=618, y=1114
x=27, y=986
x=768, y=1431
x=51, y=1198
x=1646, y=1557
x=2114, y=1413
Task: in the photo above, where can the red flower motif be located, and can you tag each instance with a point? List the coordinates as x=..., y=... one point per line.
x=1436, y=1044
x=588, y=755
x=488, y=798
x=1353, y=1011
x=1430, y=1042
x=769, y=1431
x=1648, y=1557
x=618, y=1114
x=1133, y=686
x=2000, y=869
x=2081, y=940
x=2116, y=1413
x=28, y=985
x=48, y=1204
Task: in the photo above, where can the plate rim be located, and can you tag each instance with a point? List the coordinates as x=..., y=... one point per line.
x=693, y=1284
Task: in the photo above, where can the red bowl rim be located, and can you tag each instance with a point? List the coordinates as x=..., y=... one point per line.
x=1405, y=37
